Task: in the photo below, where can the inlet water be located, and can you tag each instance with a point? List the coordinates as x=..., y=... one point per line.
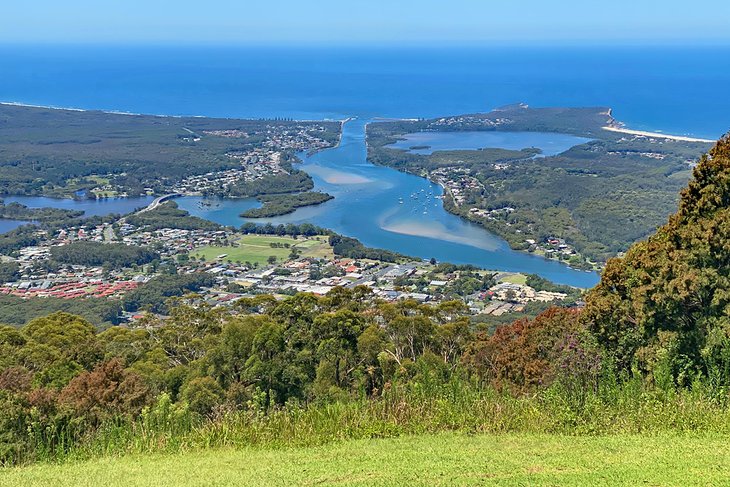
x=648, y=88
x=100, y=207
x=388, y=209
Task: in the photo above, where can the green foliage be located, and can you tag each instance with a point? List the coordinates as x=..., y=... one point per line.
x=282, y=204
x=306, y=229
x=154, y=293
x=202, y=395
x=490, y=323
x=23, y=236
x=309, y=370
x=17, y=311
x=600, y=196
x=663, y=308
x=16, y=211
x=60, y=330
x=354, y=249
x=57, y=152
x=168, y=215
x=467, y=283
x=97, y=254
x=541, y=284
x=291, y=181
x=650, y=352
x=9, y=271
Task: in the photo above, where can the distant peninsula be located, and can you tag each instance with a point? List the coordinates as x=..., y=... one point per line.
x=582, y=206
x=93, y=154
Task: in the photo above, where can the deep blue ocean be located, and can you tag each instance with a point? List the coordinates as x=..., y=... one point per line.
x=675, y=90
x=680, y=90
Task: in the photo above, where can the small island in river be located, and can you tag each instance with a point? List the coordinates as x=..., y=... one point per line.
x=283, y=204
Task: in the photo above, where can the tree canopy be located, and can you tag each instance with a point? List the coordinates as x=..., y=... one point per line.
x=665, y=306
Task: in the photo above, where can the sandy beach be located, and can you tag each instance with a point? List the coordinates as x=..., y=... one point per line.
x=657, y=135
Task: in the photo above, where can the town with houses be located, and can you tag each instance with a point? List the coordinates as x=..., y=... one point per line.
x=458, y=182
x=244, y=265
x=296, y=264
x=262, y=156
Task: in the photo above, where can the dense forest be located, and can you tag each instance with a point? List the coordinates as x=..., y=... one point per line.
x=153, y=295
x=16, y=211
x=293, y=181
x=9, y=271
x=354, y=249
x=17, y=311
x=650, y=351
x=89, y=253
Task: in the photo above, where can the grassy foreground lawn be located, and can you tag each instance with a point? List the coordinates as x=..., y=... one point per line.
x=447, y=459
x=257, y=248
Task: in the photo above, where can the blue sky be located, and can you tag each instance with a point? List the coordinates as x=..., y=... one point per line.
x=369, y=22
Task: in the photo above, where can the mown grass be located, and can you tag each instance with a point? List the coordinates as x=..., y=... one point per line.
x=257, y=249
x=444, y=459
x=515, y=279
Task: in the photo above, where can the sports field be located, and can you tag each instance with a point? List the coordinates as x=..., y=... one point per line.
x=258, y=248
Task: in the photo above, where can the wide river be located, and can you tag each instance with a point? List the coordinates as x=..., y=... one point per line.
x=380, y=206
x=392, y=210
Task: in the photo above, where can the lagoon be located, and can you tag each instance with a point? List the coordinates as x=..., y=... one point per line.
x=427, y=143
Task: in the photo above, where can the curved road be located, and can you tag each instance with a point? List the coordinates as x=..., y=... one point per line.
x=158, y=201
x=155, y=203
